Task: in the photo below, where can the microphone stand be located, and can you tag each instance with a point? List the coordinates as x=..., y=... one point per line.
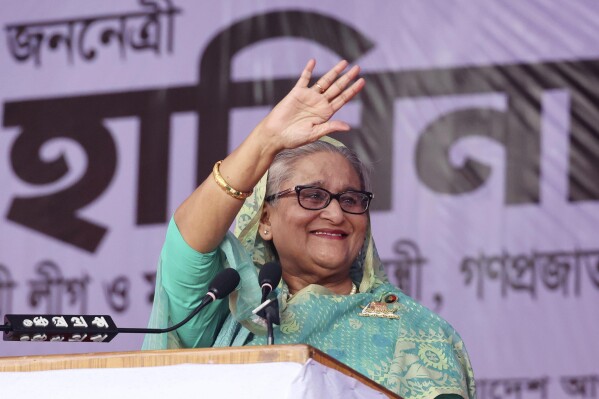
x=269, y=310
x=272, y=317
x=79, y=328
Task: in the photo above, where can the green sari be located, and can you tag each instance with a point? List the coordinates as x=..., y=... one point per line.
x=415, y=354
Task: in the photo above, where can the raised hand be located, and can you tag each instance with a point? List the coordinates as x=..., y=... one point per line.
x=304, y=115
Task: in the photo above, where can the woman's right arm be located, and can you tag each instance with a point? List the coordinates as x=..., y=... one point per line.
x=303, y=116
x=189, y=259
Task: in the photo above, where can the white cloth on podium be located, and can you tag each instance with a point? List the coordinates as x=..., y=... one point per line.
x=258, y=380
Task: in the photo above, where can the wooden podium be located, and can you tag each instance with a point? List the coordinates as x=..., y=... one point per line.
x=228, y=356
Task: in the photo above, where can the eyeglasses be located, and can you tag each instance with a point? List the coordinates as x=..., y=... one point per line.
x=316, y=198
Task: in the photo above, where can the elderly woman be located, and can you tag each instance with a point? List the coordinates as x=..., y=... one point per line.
x=301, y=199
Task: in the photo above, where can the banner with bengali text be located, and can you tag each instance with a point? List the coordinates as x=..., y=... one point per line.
x=480, y=121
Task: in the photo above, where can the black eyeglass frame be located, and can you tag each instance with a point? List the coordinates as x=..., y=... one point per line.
x=332, y=196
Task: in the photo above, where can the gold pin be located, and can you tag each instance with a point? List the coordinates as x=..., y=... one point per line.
x=380, y=309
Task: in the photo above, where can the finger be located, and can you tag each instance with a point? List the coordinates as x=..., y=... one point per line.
x=306, y=75
x=340, y=84
x=328, y=78
x=347, y=94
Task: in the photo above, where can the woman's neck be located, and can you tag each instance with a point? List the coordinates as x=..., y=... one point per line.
x=342, y=286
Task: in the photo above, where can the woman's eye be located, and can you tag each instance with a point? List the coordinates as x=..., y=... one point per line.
x=349, y=200
x=314, y=196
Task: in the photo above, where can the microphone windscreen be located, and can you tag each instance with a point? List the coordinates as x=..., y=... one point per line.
x=270, y=273
x=224, y=283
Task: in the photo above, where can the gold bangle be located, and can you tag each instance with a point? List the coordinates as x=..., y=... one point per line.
x=240, y=195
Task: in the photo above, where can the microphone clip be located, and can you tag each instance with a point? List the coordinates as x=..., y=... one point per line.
x=269, y=310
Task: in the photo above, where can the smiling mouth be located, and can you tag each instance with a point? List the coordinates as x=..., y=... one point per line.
x=328, y=234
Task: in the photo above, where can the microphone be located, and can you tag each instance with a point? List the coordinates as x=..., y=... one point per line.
x=76, y=328
x=269, y=278
x=223, y=284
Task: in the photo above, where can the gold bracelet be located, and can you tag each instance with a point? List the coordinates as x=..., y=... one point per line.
x=240, y=195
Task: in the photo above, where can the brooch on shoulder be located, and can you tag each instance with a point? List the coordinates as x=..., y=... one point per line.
x=386, y=308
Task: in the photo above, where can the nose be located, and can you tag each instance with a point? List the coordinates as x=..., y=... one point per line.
x=333, y=212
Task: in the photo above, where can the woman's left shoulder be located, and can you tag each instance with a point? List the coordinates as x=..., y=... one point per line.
x=417, y=316
x=428, y=343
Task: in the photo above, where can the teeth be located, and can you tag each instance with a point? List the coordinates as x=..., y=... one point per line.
x=322, y=233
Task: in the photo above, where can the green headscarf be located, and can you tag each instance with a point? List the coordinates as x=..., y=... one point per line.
x=245, y=251
x=366, y=271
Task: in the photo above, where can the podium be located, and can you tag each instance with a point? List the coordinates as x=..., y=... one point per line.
x=278, y=371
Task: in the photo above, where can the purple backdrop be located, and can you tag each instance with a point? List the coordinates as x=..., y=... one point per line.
x=479, y=118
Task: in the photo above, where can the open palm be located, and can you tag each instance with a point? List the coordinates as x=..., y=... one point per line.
x=303, y=116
